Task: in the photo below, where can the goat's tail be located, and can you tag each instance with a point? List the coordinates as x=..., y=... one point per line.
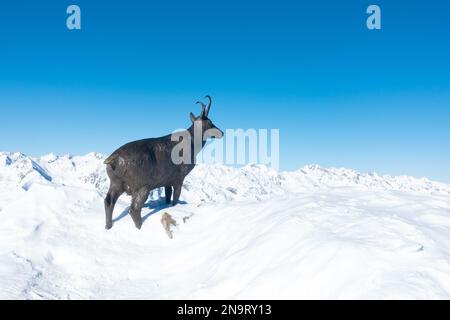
x=111, y=158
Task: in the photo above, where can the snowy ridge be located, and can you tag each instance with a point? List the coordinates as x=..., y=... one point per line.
x=248, y=233
x=208, y=182
x=341, y=177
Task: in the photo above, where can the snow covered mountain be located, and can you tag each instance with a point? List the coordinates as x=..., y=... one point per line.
x=250, y=232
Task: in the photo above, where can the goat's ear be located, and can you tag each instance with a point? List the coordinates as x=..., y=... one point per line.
x=193, y=118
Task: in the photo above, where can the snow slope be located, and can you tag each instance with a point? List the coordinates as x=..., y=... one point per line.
x=242, y=233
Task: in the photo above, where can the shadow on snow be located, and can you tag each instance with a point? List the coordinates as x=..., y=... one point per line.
x=154, y=205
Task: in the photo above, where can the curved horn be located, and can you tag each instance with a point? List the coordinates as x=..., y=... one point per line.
x=209, y=104
x=203, y=107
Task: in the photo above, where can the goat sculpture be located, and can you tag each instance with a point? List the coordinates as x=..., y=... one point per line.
x=141, y=166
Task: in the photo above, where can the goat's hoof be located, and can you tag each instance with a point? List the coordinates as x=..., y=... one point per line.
x=108, y=226
x=139, y=226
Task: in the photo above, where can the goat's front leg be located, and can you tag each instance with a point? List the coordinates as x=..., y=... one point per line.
x=137, y=202
x=177, y=193
x=168, y=190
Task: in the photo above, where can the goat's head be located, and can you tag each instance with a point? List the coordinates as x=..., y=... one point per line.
x=207, y=125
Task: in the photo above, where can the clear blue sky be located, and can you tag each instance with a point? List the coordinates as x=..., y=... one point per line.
x=340, y=94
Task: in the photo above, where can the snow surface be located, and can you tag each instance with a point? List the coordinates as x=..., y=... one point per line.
x=248, y=233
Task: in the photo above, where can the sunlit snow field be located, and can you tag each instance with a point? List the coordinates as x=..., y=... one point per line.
x=244, y=233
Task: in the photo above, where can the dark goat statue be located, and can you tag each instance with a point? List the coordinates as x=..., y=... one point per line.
x=141, y=166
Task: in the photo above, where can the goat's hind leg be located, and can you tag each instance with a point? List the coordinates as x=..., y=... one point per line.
x=114, y=192
x=137, y=202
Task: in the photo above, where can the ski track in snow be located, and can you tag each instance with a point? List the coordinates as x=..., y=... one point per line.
x=248, y=233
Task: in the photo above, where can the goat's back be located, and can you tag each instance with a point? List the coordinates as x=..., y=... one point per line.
x=146, y=162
